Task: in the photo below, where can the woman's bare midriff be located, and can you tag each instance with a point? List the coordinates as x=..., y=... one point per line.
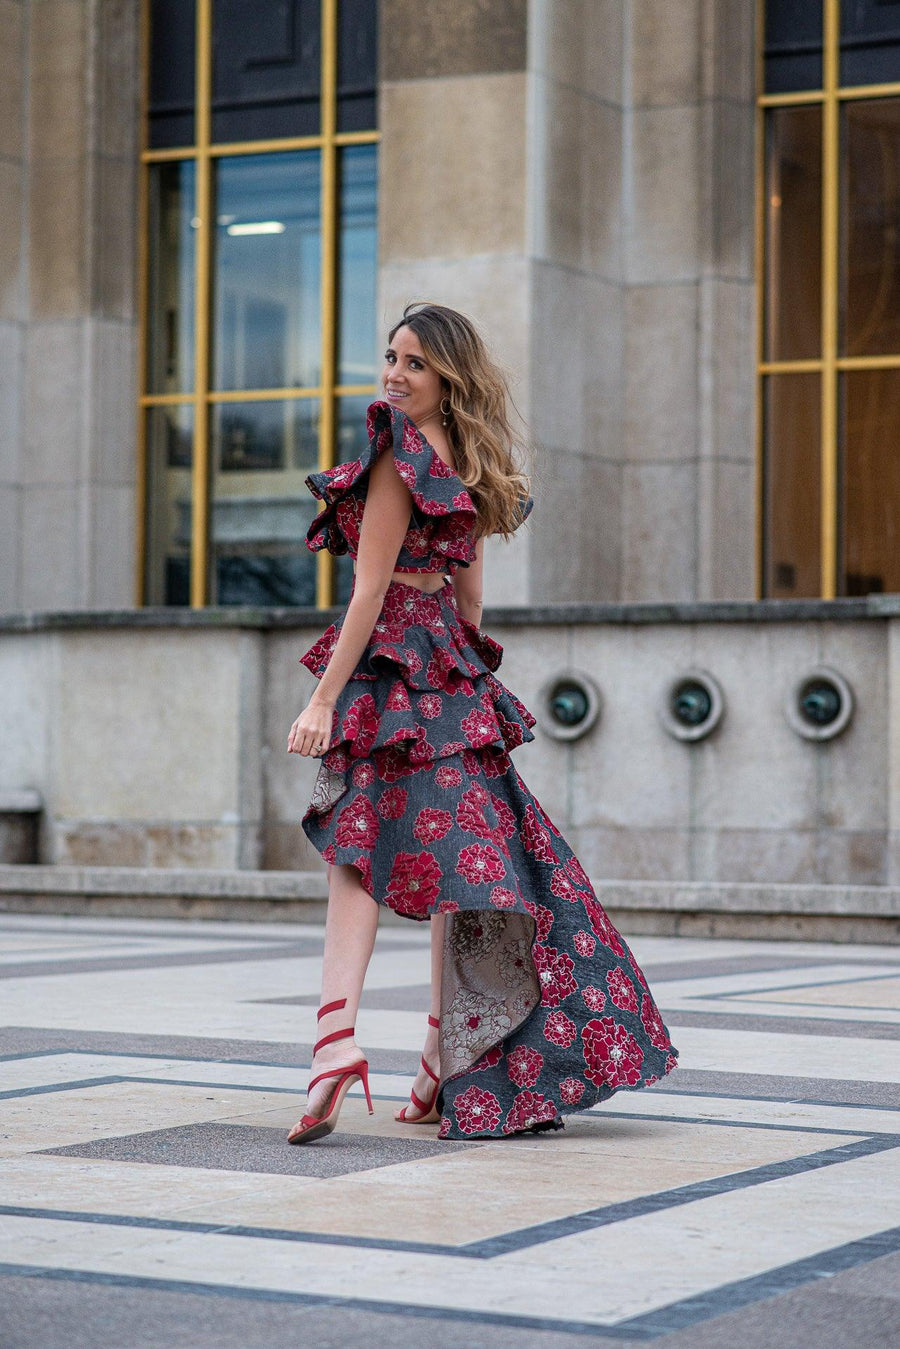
x=430, y=582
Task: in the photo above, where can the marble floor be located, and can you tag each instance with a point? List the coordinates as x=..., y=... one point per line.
x=149, y=1071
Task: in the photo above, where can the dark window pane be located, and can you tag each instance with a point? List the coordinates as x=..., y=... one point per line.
x=170, y=307
x=266, y=69
x=793, y=233
x=172, y=68
x=793, y=48
x=792, y=414
x=870, y=41
x=261, y=508
x=357, y=73
x=266, y=280
x=870, y=243
x=357, y=264
x=871, y=481
x=352, y=439
x=168, y=566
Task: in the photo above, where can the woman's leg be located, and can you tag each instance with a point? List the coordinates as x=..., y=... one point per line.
x=423, y=1085
x=350, y=926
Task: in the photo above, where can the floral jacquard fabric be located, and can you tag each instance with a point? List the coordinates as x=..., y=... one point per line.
x=544, y=1009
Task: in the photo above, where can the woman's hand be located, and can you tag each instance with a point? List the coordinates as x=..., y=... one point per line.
x=311, y=732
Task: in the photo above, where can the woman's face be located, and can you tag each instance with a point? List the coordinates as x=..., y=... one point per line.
x=408, y=380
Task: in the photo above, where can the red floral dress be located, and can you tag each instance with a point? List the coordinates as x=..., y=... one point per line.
x=545, y=1009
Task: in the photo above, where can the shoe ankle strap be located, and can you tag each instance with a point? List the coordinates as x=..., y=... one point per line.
x=434, y=1021
x=331, y=1007
x=335, y=1035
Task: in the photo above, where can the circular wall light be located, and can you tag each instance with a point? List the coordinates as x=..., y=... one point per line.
x=692, y=705
x=570, y=703
x=820, y=704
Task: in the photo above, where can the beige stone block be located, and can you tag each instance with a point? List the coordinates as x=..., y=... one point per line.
x=664, y=46
x=576, y=530
x=580, y=43
x=662, y=242
x=852, y=857
x=727, y=357
x=198, y=845
x=507, y=566
x=728, y=55
x=632, y=853
x=12, y=42
x=52, y=573
x=453, y=167
x=89, y=844
x=451, y=37
x=659, y=523
x=113, y=242
x=58, y=70
x=660, y=368
x=112, y=561
x=118, y=78
x=11, y=294
x=728, y=135
x=784, y=856
x=26, y=664
x=727, y=534
x=113, y=438
x=285, y=847
x=57, y=240
x=11, y=368
x=288, y=778
x=9, y=549
x=577, y=172
x=854, y=767
x=54, y=403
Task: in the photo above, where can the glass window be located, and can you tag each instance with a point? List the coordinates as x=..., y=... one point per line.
x=169, y=454
x=870, y=41
x=172, y=73
x=871, y=481
x=357, y=72
x=792, y=421
x=870, y=253
x=261, y=508
x=793, y=49
x=266, y=69
x=357, y=264
x=793, y=300
x=170, y=338
x=267, y=272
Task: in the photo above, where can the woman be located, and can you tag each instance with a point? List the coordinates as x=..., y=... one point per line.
x=537, y=1005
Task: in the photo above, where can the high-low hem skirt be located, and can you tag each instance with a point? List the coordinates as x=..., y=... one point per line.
x=544, y=1010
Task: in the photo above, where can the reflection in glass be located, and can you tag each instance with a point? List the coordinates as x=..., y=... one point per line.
x=352, y=439
x=870, y=470
x=170, y=94
x=792, y=412
x=793, y=233
x=357, y=264
x=266, y=279
x=870, y=42
x=357, y=72
x=870, y=241
x=170, y=336
x=793, y=45
x=261, y=507
x=169, y=433
x=266, y=69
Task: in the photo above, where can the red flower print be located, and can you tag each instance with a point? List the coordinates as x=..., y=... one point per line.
x=543, y=919
x=571, y=1090
x=420, y=751
x=559, y=1029
x=636, y=970
x=502, y=899
x=602, y=926
x=477, y=1111
x=463, y=502
x=444, y=1130
x=363, y=775
x=529, y=1108
x=430, y=705
x=594, y=998
x=439, y=667
x=524, y=1066
x=562, y=886
x=363, y=865
x=398, y=698
x=494, y=762
x=488, y=1060
x=506, y=820
x=536, y=837
x=412, y=660
x=445, y=776
x=414, y=883
x=584, y=944
x=479, y=728
x=392, y=803
x=621, y=990
x=439, y=469
x=578, y=873
x=452, y=747
x=447, y=906
x=470, y=811
x=653, y=1024
x=432, y=824
x=612, y=1056
x=394, y=763
x=361, y=725
x=480, y=863
x=671, y=1062
x=406, y=471
x=357, y=824
x=554, y=970
x=330, y=854
x=471, y=763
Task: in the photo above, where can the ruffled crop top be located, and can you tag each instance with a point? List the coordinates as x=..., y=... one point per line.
x=441, y=534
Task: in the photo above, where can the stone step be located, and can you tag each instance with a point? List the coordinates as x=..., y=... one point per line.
x=845, y=913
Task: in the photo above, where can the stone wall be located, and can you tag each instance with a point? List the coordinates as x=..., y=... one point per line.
x=160, y=741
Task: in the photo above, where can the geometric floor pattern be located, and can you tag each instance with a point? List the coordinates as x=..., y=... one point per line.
x=149, y=1071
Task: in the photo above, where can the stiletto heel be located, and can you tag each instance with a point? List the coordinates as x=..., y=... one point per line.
x=312, y=1127
x=428, y=1113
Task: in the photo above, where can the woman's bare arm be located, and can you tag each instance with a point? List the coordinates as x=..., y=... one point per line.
x=467, y=585
x=384, y=525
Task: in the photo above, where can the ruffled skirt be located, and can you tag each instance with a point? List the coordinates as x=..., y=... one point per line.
x=544, y=1009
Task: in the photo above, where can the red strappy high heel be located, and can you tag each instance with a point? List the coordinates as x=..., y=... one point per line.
x=427, y=1111
x=312, y=1127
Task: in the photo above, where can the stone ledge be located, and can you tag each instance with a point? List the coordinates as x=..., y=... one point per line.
x=24, y=801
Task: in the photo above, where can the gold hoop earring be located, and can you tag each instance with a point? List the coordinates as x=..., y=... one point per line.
x=445, y=411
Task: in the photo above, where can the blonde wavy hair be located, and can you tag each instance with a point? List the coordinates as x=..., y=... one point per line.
x=485, y=449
